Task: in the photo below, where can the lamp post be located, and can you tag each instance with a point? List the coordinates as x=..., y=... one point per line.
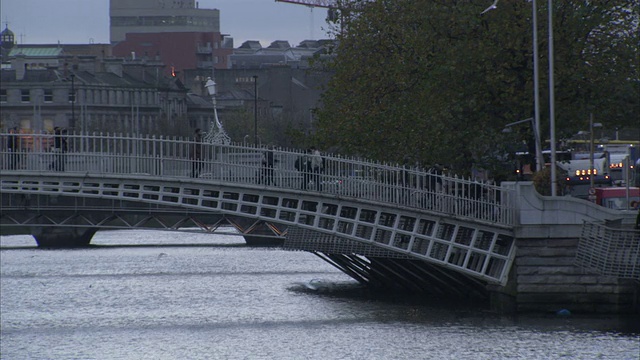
x=552, y=117
x=216, y=133
x=536, y=90
x=73, y=102
x=536, y=137
x=591, y=150
x=255, y=110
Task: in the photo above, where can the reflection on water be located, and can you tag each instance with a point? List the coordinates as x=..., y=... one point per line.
x=138, y=296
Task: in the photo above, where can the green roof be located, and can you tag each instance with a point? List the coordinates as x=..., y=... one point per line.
x=36, y=51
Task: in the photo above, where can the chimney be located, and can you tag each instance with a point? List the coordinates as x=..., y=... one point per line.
x=113, y=66
x=20, y=65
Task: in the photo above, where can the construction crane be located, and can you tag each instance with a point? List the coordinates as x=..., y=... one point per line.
x=329, y=4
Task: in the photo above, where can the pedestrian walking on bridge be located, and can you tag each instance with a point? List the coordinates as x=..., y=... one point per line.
x=13, y=147
x=196, y=154
x=59, y=149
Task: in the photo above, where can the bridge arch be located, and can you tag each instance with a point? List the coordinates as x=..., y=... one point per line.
x=474, y=248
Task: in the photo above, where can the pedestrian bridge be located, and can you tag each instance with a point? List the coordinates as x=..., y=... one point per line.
x=380, y=223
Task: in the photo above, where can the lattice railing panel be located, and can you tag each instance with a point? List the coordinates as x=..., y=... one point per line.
x=609, y=251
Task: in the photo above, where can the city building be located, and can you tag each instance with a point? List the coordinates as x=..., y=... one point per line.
x=288, y=89
x=177, y=33
x=45, y=87
x=178, y=45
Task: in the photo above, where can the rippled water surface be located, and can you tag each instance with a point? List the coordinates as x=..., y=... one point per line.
x=138, y=296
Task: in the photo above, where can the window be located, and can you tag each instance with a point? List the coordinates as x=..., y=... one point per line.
x=3, y=95
x=48, y=96
x=25, y=96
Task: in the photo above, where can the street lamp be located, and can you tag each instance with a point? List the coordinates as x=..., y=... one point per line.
x=552, y=116
x=536, y=138
x=536, y=91
x=73, y=102
x=255, y=110
x=216, y=134
x=591, y=167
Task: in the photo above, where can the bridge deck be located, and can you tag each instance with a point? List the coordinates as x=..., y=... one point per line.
x=170, y=158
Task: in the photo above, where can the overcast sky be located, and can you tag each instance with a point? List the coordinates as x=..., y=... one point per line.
x=83, y=21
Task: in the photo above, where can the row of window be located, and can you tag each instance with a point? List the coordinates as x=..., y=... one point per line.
x=85, y=96
x=162, y=21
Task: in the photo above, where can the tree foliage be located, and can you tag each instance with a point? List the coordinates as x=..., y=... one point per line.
x=437, y=80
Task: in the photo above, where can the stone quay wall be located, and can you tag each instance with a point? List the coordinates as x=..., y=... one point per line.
x=545, y=277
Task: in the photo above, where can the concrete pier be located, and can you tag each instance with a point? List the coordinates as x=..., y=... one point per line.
x=546, y=276
x=63, y=237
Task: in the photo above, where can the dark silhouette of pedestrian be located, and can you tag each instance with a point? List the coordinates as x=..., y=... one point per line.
x=303, y=165
x=196, y=154
x=59, y=149
x=267, y=166
x=316, y=167
x=405, y=181
x=13, y=147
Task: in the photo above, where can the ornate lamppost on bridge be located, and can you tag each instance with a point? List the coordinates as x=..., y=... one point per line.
x=73, y=102
x=216, y=133
x=255, y=110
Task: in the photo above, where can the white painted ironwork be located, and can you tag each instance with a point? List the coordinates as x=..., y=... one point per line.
x=348, y=178
x=479, y=250
x=216, y=133
x=609, y=251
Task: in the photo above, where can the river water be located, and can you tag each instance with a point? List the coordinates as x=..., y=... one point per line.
x=162, y=295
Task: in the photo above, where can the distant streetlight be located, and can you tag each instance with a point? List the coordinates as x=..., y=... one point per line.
x=255, y=110
x=552, y=116
x=73, y=102
x=591, y=166
x=536, y=88
x=536, y=92
x=536, y=137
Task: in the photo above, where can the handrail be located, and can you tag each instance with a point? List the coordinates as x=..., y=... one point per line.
x=172, y=156
x=611, y=251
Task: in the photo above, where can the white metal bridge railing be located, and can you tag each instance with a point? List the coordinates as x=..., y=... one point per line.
x=173, y=157
x=609, y=251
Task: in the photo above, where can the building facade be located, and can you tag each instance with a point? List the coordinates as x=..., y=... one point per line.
x=177, y=33
x=87, y=93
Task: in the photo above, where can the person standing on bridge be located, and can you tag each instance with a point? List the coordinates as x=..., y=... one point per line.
x=196, y=154
x=303, y=165
x=317, y=167
x=267, y=167
x=59, y=149
x=13, y=147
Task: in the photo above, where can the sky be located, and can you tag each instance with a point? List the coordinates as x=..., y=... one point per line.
x=85, y=21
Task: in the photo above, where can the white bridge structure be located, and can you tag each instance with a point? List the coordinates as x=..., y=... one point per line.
x=382, y=224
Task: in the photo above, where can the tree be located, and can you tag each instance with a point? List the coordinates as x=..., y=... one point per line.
x=437, y=81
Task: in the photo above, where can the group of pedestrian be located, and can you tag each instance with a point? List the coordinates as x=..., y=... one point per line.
x=310, y=165
x=60, y=147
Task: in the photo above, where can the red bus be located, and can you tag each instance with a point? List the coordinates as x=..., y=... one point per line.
x=617, y=198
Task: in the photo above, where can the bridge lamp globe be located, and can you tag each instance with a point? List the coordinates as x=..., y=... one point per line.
x=211, y=87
